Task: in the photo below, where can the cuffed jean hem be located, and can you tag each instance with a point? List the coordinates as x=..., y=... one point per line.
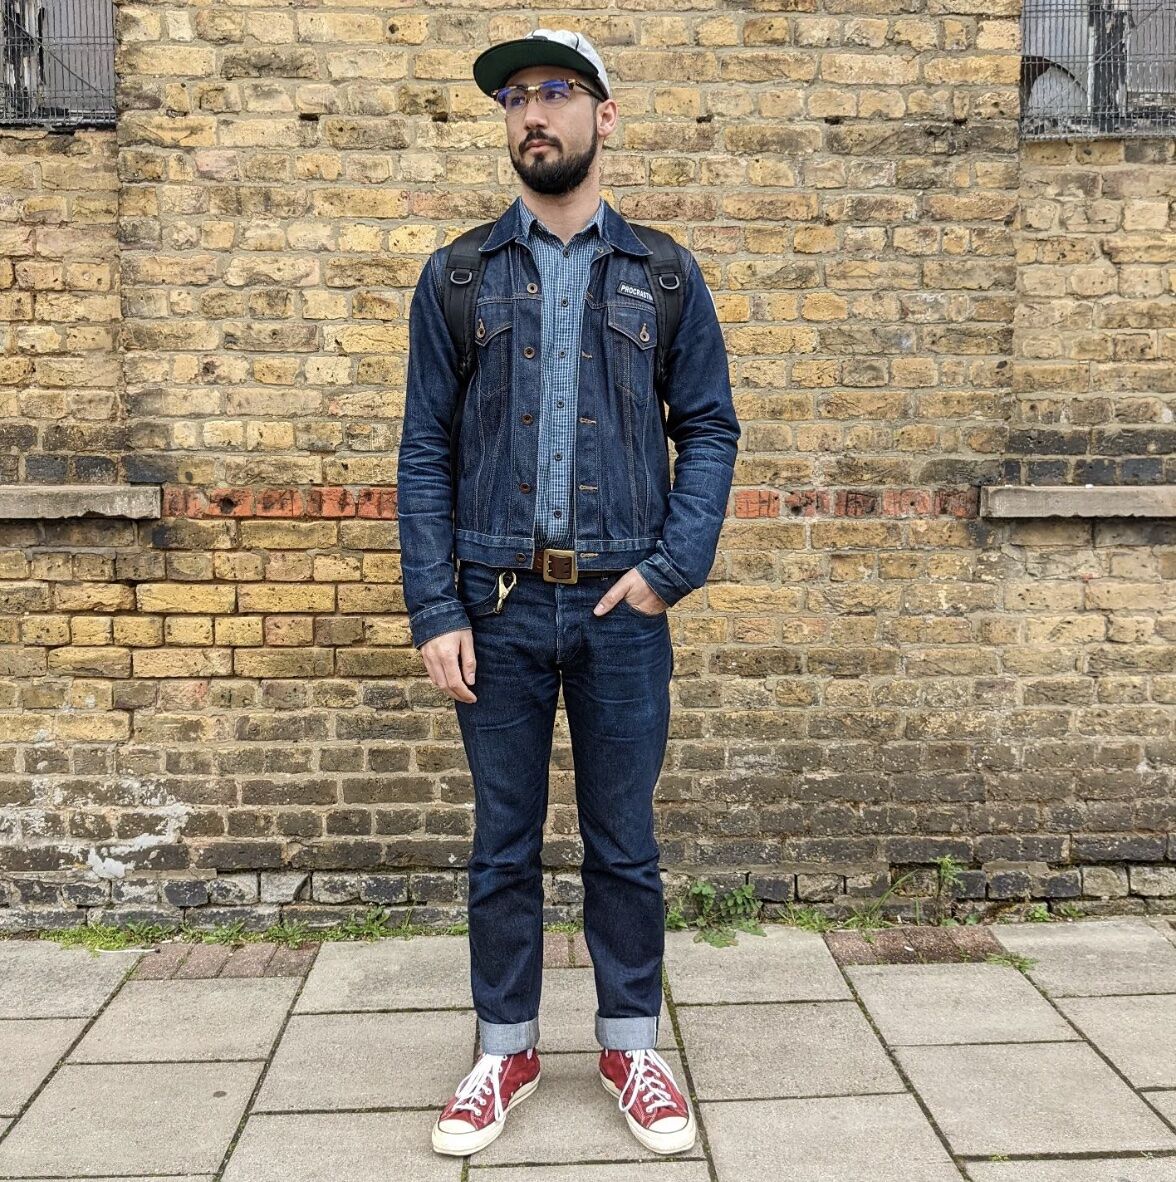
x=507, y=1038
x=626, y=1034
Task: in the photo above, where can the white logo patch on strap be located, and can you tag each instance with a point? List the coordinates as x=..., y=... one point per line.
x=637, y=292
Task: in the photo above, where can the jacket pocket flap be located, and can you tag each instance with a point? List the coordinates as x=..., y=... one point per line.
x=638, y=324
x=490, y=320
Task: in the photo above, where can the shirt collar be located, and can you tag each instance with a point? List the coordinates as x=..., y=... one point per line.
x=529, y=220
x=613, y=229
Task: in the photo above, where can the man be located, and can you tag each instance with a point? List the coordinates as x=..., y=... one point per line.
x=570, y=546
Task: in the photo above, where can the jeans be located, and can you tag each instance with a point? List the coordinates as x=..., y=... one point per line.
x=615, y=671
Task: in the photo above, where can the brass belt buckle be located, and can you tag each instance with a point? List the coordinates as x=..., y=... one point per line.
x=559, y=566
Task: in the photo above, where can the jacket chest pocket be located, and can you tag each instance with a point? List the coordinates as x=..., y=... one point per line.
x=493, y=324
x=632, y=337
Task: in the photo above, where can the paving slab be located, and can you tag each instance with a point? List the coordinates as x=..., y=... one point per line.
x=41, y=979
x=800, y=1049
x=424, y=973
x=340, y=1147
x=1037, y=1098
x=1092, y=958
x=664, y=1171
x=930, y=1004
x=352, y=1061
x=567, y=1009
x=136, y=1178
x=217, y=1018
x=1165, y=1103
x=1107, y=1169
x=29, y=1048
x=786, y=964
x=141, y=1118
x=911, y=944
x=571, y=1118
x=833, y=1139
x=1138, y=1034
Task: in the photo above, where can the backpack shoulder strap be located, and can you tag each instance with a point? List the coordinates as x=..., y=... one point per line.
x=463, y=267
x=463, y=264
x=668, y=284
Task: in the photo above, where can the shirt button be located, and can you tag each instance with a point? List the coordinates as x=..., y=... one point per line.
x=556, y=513
x=559, y=455
x=560, y=402
x=566, y=252
x=564, y=301
x=563, y=352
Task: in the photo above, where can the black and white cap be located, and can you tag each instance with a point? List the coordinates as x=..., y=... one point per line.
x=541, y=47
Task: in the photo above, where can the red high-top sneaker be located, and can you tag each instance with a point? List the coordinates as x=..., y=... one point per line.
x=476, y=1113
x=659, y=1115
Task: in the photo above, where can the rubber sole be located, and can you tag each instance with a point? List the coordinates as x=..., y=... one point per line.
x=655, y=1142
x=462, y=1144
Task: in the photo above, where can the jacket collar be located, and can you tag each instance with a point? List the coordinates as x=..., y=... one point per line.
x=613, y=229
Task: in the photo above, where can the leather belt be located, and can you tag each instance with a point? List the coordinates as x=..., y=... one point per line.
x=559, y=566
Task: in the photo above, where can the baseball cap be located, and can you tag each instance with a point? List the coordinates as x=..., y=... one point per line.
x=541, y=47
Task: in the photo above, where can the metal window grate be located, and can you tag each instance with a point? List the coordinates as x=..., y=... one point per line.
x=1094, y=68
x=57, y=62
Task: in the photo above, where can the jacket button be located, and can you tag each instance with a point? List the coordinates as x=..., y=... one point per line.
x=528, y=351
x=532, y=288
x=527, y=419
x=520, y=557
x=524, y=487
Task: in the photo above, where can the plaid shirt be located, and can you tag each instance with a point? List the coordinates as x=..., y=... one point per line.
x=563, y=274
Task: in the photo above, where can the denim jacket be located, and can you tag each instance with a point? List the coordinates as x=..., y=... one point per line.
x=625, y=512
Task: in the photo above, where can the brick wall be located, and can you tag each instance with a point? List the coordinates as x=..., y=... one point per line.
x=1096, y=315
x=221, y=710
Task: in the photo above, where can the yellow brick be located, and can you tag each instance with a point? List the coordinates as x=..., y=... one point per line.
x=182, y=662
x=138, y=631
x=185, y=630
x=91, y=630
x=196, y=598
x=288, y=535
x=283, y=597
x=824, y=306
x=238, y=630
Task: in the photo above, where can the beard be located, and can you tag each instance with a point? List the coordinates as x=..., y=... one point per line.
x=555, y=172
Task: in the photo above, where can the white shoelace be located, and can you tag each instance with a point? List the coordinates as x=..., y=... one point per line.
x=643, y=1077
x=471, y=1091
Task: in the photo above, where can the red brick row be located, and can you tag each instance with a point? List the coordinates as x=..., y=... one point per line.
x=372, y=501
x=849, y=502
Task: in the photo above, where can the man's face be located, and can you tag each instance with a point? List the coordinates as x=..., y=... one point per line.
x=570, y=134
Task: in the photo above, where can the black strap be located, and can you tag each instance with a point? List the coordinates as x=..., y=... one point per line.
x=463, y=266
x=668, y=285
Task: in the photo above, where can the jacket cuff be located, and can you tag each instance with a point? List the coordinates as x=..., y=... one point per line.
x=663, y=579
x=432, y=621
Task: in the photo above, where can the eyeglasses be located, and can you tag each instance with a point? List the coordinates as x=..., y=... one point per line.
x=553, y=93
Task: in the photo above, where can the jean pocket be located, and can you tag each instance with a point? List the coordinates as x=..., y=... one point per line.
x=626, y=606
x=477, y=588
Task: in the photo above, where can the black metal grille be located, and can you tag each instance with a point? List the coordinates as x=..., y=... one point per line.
x=1098, y=68
x=57, y=58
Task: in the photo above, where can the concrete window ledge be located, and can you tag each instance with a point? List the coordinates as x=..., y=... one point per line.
x=34, y=502
x=1075, y=500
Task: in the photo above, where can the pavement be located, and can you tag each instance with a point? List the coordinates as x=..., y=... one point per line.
x=808, y=1057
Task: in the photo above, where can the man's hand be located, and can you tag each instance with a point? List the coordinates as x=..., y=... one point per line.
x=633, y=588
x=449, y=658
